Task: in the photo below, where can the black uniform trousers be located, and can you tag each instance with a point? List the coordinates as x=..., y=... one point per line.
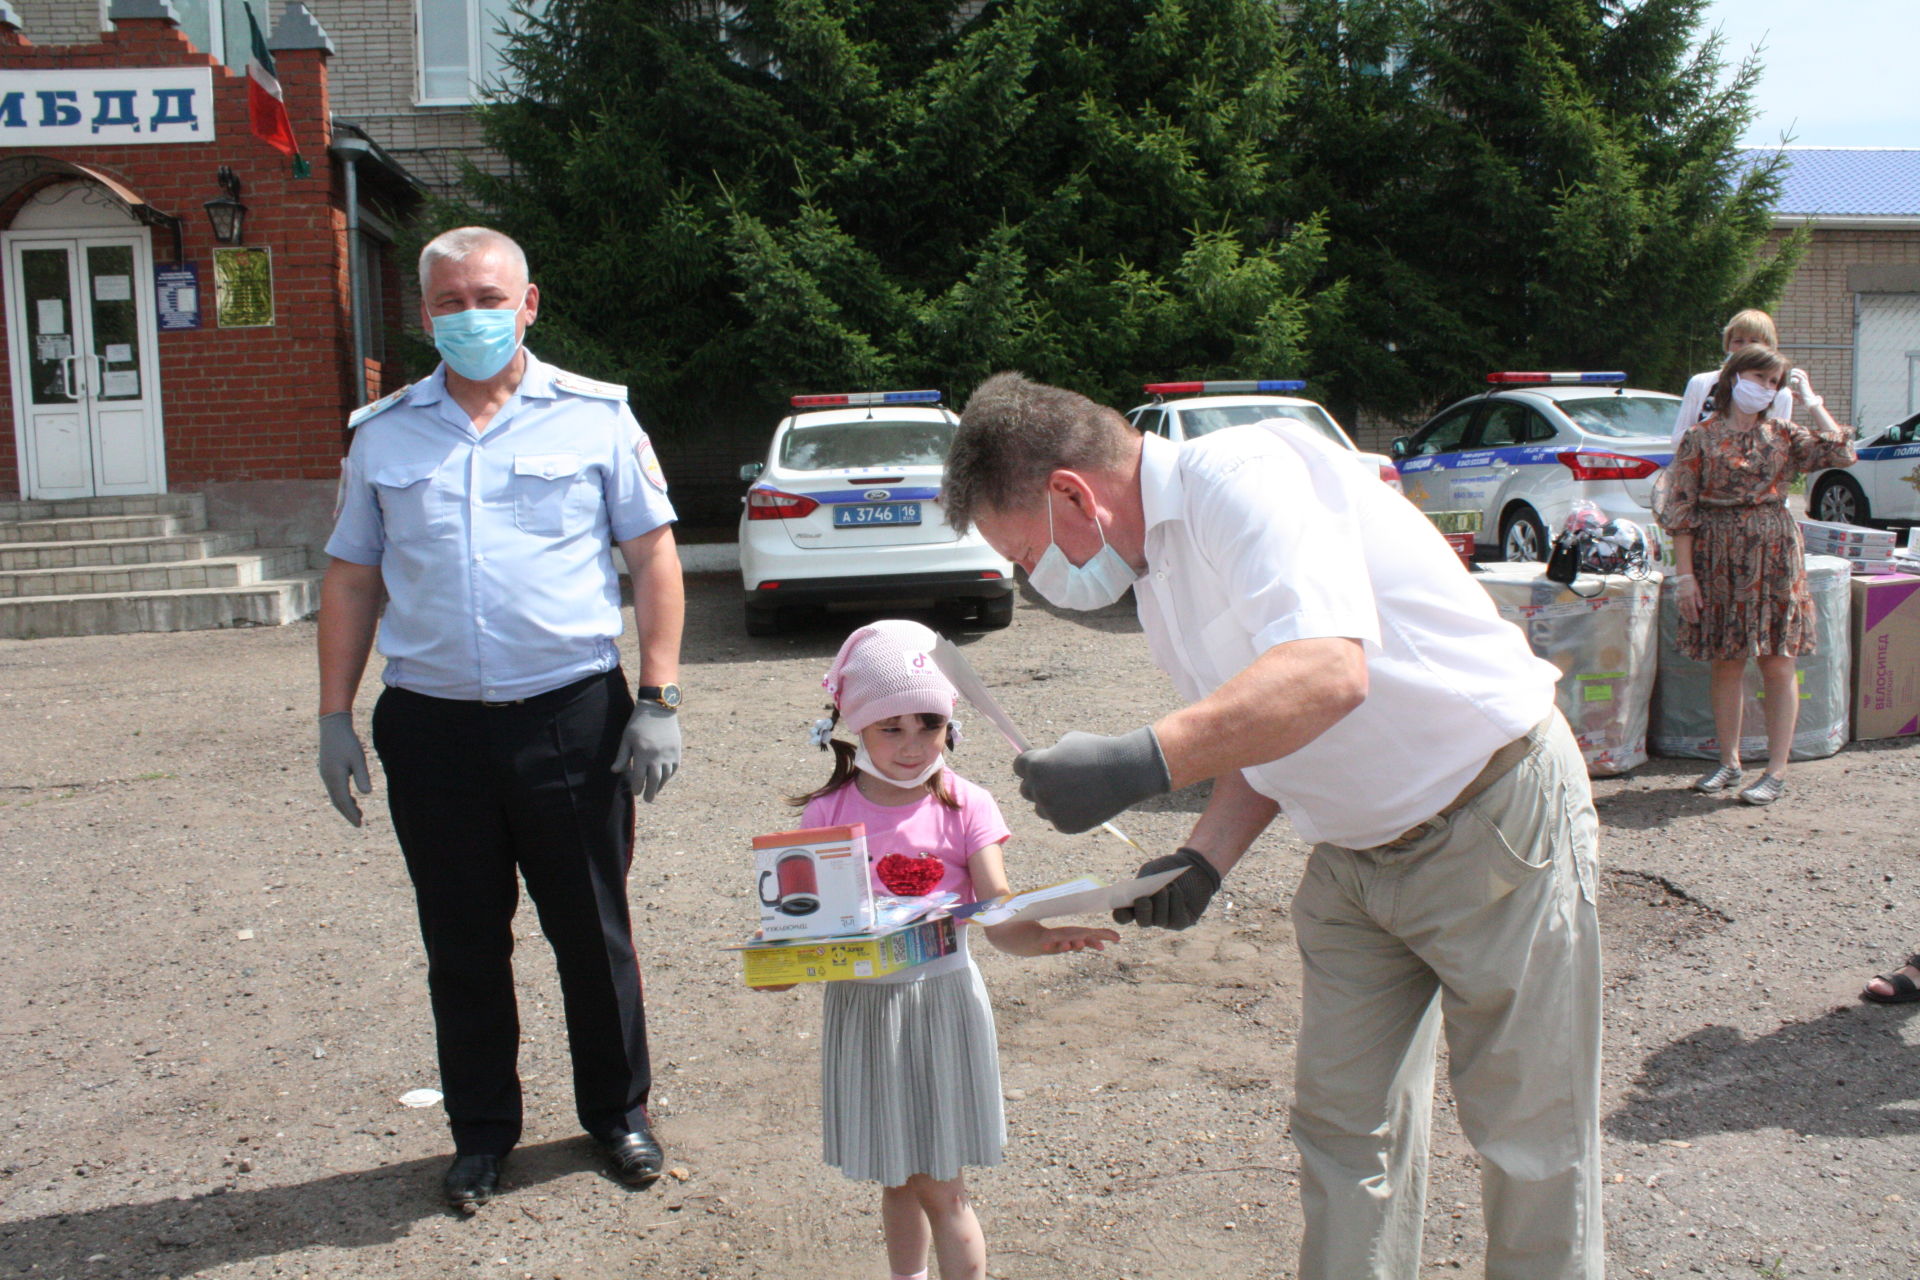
x=479, y=791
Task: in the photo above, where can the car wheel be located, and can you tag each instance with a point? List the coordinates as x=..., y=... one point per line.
x=997, y=612
x=1838, y=500
x=762, y=621
x=1522, y=536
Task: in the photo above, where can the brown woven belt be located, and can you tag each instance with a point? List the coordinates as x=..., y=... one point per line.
x=1496, y=768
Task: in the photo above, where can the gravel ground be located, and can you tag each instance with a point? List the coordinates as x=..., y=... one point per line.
x=215, y=999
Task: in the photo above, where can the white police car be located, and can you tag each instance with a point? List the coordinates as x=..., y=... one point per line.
x=1883, y=485
x=1183, y=410
x=1523, y=452
x=845, y=510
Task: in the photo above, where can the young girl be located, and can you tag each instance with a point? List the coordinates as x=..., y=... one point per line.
x=910, y=1072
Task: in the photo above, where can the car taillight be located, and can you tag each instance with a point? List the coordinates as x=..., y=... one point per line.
x=1606, y=466
x=1390, y=474
x=771, y=504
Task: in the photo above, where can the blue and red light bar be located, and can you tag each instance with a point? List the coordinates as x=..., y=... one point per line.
x=855, y=399
x=1559, y=379
x=1223, y=388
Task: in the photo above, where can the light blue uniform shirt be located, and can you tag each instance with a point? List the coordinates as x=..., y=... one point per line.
x=495, y=547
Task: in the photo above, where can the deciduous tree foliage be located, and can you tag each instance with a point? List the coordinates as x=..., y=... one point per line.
x=838, y=194
x=1527, y=184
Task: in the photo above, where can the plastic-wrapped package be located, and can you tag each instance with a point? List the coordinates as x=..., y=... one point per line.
x=1683, y=707
x=1602, y=638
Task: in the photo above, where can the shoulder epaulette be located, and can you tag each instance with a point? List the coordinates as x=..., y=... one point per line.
x=381, y=405
x=581, y=386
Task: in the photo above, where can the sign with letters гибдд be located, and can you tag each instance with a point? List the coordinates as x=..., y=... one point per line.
x=94, y=107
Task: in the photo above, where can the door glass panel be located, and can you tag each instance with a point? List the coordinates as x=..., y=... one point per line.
x=45, y=276
x=116, y=373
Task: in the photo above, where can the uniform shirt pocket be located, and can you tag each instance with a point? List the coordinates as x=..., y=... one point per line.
x=549, y=495
x=410, y=508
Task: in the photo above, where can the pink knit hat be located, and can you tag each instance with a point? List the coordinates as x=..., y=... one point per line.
x=885, y=670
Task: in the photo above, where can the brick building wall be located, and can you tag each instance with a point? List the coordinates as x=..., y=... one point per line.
x=238, y=405
x=55, y=22
x=1815, y=315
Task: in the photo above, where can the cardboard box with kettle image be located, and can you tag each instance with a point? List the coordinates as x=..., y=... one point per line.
x=813, y=883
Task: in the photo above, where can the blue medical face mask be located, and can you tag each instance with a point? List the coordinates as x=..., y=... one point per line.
x=479, y=343
x=1103, y=579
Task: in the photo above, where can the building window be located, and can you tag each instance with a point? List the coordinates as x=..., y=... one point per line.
x=462, y=46
x=218, y=27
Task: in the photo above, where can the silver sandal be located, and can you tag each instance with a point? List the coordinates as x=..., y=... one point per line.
x=1770, y=788
x=1719, y=780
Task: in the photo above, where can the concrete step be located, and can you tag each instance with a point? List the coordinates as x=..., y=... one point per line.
x=17, y=557
x=264, y=604
x=146, y=504
x=88, y=528
x=241, y=570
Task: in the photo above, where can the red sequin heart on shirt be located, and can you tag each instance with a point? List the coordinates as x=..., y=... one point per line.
x=906, y=876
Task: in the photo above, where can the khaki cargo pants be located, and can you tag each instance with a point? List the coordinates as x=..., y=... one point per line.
x=1483, y=925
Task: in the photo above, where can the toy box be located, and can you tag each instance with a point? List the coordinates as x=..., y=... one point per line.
x=1886, y=656
x=813, y=883
x=873, y=955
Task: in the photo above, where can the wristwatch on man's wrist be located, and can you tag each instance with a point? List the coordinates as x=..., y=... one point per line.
x=667, y=695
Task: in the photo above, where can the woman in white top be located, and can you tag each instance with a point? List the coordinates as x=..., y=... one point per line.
x=1747, y=328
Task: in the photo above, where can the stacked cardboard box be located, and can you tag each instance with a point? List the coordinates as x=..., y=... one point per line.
x=1867, y=550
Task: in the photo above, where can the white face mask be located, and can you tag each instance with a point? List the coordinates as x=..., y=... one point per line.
x=1094, y=585
x=1752, y=397
x=864, y=763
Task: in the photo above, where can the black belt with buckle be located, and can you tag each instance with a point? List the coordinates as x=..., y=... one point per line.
x=1496, y=768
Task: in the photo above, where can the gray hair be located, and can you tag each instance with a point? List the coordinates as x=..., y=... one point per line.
x=1016, y=432
x=463, y=242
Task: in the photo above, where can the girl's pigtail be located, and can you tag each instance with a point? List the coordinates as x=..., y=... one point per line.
x=843, y=770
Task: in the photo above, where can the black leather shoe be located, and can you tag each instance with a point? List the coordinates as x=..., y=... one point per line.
x=636, y=1156
x=471, y=1182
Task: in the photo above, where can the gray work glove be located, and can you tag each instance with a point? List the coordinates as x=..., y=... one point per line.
x=1181, y=901
x=1084, y=779
x=649, y=749
x=341, y=758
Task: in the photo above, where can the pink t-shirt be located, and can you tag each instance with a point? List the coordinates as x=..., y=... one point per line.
x=925, y=827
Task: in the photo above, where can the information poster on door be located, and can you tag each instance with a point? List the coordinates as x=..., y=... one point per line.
x=243, y=287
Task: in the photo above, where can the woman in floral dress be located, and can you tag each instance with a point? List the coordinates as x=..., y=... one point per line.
x=1742, y=580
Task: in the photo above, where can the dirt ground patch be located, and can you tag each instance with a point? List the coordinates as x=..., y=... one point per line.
x=215, y=999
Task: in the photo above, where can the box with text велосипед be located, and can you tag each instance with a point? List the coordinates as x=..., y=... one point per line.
x=1885, y=638
x=813, y=883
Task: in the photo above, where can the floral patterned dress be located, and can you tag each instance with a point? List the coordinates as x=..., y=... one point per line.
x=1727, y=486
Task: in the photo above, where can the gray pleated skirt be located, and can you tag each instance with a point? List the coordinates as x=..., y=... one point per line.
x=910, y=1078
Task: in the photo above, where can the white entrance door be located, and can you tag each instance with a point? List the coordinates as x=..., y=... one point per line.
x=80, y=330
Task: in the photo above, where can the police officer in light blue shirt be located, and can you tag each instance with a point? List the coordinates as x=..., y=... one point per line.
x=484, y=503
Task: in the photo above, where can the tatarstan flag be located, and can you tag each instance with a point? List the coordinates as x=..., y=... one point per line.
x=266, y=109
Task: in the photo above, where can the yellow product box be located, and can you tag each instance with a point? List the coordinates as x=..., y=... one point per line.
x=775, y=964
x=1456, y=521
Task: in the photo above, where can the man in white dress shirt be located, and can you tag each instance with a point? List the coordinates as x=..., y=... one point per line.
x=1340, y=663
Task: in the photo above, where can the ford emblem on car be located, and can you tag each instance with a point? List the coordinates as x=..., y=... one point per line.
x=875, y=495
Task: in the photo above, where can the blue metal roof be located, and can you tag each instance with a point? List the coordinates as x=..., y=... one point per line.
x=1847, y=182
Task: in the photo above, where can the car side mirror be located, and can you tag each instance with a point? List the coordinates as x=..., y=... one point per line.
x=1399, y=448
x=751, y=471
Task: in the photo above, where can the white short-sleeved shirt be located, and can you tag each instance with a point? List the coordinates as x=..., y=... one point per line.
x=1264, y=534
x=1693, y=403
x=495, y=547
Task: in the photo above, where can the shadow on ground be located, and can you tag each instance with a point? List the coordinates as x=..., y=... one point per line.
x=1850, y=1073
x=205, y=1232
